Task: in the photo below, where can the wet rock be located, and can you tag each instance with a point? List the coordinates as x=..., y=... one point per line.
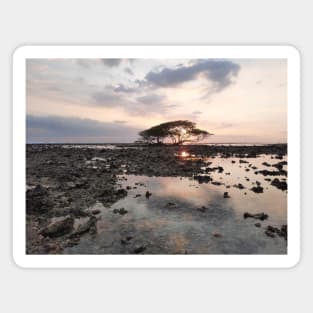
x=271, y=231
x=121, y=192
x=202, y=209
x=272, y=173
x=37, y=200
x=282, y=185
x=239, y=186
x=259, y=216
x=269, y=234
x=139, y=249
x=217, y=235
x=266, y=164
x=257, y=189
x=226, y=195
x=126, y=240
x=203, y=179
x=89, y=226
x=58, y=228
x=120, y=211
x=280, y=165
x=217, y=183
x=171, y=205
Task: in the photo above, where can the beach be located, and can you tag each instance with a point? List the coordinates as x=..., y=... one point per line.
x=135, y=199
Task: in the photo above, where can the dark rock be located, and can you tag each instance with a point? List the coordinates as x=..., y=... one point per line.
x=282, y=185
x=139, y=249
x=120, y=211
x=148, y=194
x=217, y=235
x=203, y=179
x=243, y=161
x=226, y=195
x=257, y=224
x=257, y=189
x=239, y=186
x=58, y=228
x=90, y=225
x=258, y=216
x=37, y=200
x=202, y=209
x=269, y=234
x=95, y=211
x=266, y=164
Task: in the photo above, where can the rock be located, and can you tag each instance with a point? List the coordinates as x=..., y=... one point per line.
x=282, y=185
x=269, y=234
x=217, y=183
x=258, y=216
x=121, y=192
x=137, y=195
x=257, y=189
x=203, y=179
x=243, y=161
x=148, y=194
x=139, y=249
x=37, y=200
x=239, y=186
x=171, y=205
x=202, y=209
x=257, y=224
x=58, y=228
x=126, y=241
x=217, y=235
x=95, y=211
x=128, y=187
x=120, y=211
x=226, y=195
x=266, y=164
x=90, y=225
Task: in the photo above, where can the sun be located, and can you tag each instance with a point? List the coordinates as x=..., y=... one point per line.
x=184, y=154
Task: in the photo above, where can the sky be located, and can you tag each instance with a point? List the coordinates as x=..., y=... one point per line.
x=111, y=100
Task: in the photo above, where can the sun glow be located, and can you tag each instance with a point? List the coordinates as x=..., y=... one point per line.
x=184, y=154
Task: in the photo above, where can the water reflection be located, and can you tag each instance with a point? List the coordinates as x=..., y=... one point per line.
x=183, y=216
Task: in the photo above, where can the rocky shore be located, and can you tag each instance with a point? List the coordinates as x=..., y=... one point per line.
x=64, y=182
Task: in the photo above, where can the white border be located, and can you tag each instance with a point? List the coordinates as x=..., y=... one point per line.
x=156, y=261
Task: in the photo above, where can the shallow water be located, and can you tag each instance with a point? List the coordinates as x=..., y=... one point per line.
x=171, y=220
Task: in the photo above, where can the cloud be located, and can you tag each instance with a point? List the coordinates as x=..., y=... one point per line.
x=72, y=129
x=123, y=88
x=111, y=62
x=219, y=72
x=120, y=122
x=197, y=112
x=151, y=99
x=129, y=71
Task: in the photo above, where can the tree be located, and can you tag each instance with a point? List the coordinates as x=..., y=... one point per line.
x=178, y=132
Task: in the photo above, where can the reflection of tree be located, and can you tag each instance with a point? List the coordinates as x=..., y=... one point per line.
x=178, y=132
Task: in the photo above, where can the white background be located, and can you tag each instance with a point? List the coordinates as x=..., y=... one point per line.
x=144, y=22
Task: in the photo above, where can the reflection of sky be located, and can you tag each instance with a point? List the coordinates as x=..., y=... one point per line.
x=97, y=100
x=182, y=227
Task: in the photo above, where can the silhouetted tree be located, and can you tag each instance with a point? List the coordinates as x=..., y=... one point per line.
x=178, y=132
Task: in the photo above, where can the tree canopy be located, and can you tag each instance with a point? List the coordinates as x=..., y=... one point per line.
x=177, y=132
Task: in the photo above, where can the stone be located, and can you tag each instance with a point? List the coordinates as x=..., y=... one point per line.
x=58, y=228
x=258, y=216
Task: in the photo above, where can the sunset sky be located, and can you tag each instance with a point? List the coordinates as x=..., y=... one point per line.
x=111, y=100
